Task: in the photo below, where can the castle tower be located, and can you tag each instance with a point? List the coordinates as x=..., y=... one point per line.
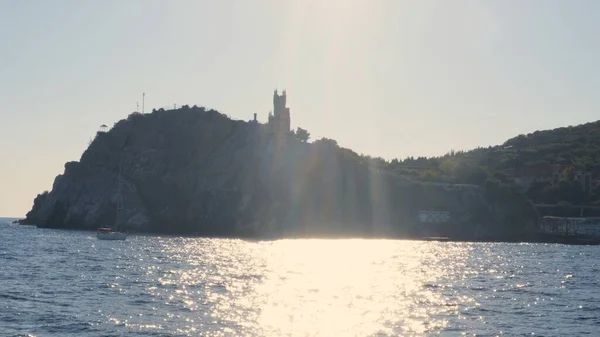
x=281, y=114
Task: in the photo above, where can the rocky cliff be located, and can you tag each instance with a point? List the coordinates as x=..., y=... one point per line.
x=195, y=171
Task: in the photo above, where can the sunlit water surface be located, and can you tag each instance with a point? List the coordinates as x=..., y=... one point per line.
x=65, y=283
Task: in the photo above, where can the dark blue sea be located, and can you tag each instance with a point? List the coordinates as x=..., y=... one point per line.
x=68, y=283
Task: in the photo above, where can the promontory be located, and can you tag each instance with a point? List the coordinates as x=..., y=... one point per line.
x=195, y=171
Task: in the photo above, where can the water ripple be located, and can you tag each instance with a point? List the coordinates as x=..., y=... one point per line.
x=62, y=283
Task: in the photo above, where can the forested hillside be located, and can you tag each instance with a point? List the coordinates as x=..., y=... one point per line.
x=545, y=164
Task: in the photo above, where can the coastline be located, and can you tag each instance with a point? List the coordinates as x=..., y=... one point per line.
x=532, y=238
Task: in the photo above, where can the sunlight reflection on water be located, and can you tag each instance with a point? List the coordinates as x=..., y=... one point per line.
x=62, y=283
x=319, y=287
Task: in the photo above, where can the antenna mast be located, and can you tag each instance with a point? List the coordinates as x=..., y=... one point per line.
x=143, y=99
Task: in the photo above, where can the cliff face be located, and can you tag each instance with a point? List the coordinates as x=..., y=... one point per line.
x=192, y=171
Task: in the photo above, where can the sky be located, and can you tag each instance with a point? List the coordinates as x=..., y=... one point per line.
x=387, y=78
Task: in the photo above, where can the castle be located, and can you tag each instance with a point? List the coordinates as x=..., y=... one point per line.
x=279, y=120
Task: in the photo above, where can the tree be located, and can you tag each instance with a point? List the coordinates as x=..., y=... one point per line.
x=568, y=174
x=302, y=134
x=328, y=142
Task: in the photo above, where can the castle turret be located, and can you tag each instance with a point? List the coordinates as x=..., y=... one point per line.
x=281, y=120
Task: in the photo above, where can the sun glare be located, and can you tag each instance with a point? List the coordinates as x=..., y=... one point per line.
x=319, y=287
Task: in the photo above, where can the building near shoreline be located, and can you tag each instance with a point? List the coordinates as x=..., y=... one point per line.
x=571, y=226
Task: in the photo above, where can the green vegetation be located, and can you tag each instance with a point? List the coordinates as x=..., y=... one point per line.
x=302, y=135
x=544, y=164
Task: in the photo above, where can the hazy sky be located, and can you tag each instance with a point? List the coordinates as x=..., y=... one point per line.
x=389, y=78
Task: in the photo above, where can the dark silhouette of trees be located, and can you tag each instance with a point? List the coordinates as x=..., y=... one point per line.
x=302, y=134
x=564, y=152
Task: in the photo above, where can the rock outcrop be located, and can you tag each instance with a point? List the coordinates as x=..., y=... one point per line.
x=195, y=171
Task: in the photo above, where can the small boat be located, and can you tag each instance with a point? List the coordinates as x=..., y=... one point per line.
x=436, y=238
x=108, y=233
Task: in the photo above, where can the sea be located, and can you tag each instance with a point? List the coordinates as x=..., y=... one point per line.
x=68, y=283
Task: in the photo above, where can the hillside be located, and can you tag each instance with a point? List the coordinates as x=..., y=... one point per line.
x=196, y=171
x=557, y=166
